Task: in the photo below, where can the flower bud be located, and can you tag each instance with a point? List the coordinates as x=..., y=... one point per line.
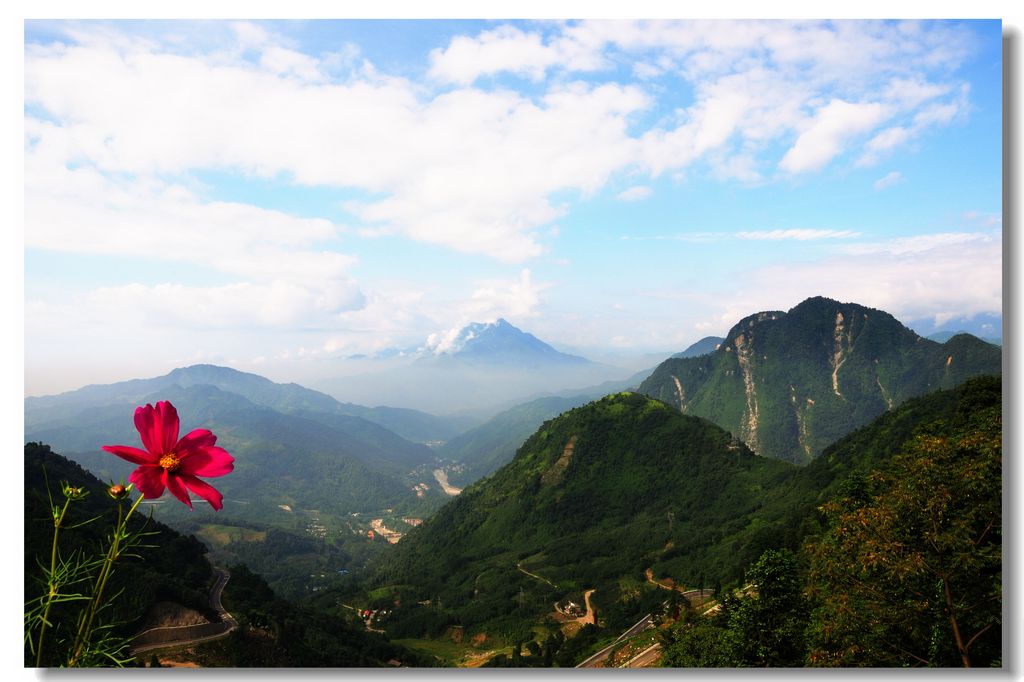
x=119, y=491
x=73, y=493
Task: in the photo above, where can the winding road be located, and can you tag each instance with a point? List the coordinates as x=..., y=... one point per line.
x=534, y=575
x=181, y=635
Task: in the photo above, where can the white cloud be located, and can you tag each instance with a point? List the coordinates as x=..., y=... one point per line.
x=888, y=180
x=911, y=92
x=473, y=170
x=828, y=133
x=982, y=219
x=791, y=234
x=933, y=115
x=505, y=48
x=277, y=304
x=504, y=298
x=634, y=193
x=284, y=62
x=758, y=81
x=901, y=246
x=884, y=142
x=467, y=169
x=796, y=234
x=81, y=210
x=911, y=278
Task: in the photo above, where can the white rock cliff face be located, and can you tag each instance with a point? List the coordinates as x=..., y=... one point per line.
x=749, y=426
x=838, y=355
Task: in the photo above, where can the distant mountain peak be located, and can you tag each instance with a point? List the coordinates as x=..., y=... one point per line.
x=496, y=342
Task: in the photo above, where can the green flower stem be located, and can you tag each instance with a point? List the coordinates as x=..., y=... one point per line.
x=58, y=519
x=85, y=624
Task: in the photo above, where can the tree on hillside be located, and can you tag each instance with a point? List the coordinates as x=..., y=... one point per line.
x=766, y=628
x=909, y=572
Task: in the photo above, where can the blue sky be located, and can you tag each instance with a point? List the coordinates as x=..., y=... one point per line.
x=277, y=195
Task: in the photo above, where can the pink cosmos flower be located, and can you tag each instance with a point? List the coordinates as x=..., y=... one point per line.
x=168, y=462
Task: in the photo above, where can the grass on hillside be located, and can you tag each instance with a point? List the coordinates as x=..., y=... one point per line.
x=460, y=655
x=221, y=536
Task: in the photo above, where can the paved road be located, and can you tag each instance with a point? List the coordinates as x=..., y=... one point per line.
x=181, y=635
x=645, y=658
x=644, y=623
x=534, y=575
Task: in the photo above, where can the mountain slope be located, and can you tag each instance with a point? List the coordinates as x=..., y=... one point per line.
x=173, y=568
x=626, y=483
x=482, y=450
x=790, y=383
x=593, y=495
x=280, y=459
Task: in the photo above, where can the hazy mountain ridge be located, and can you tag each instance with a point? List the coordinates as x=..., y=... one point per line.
x=709, y=344
x=944, y=336
x=790, y=383
x=416, y=425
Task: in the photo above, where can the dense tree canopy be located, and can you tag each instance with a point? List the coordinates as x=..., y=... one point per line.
x=910, y=570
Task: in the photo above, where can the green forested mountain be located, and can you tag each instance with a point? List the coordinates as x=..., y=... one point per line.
x=595, y=495
x=790, y=383
x=902, y=566
x=621, y=485
x=303, y=465
x=280, y=459
x=482, y=450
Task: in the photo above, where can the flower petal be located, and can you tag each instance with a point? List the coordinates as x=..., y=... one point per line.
x=173, y=482
x=144, y=419
x=204, y=490
x=149, y=480
x=133, y=455
x=194, y=440
x=158, y=427
x=168, y=421
x=206, y=461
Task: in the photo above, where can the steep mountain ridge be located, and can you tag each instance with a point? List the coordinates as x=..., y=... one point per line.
x=482, y=450
x=593, y=495
x=624, y=484
x=709, y=344
x=789, y=383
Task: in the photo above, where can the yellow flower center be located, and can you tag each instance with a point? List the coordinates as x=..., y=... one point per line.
x=170, y=462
